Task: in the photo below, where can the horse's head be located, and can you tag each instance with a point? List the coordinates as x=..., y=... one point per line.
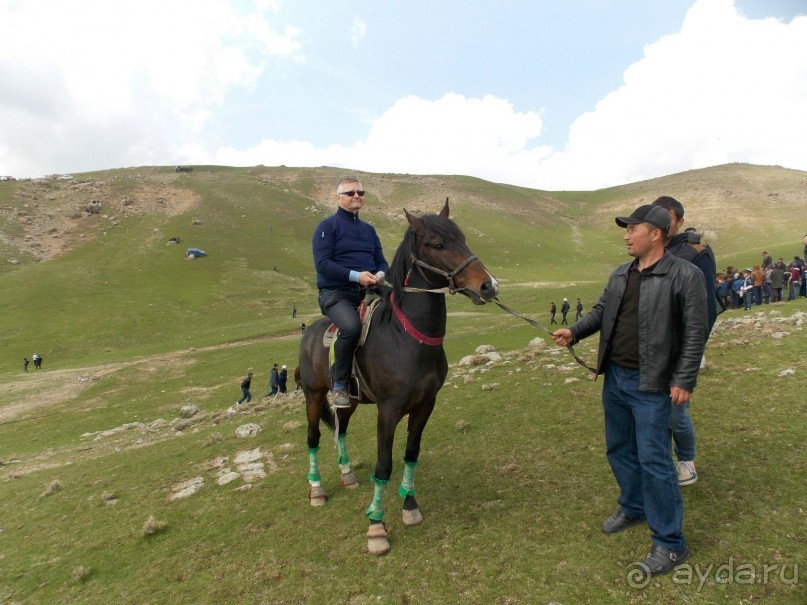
x=438, y=251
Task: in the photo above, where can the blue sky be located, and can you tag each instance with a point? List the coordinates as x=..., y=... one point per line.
x=579, y=94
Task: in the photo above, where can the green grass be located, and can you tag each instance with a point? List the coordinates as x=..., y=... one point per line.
x=512, y=503
x=131, y=332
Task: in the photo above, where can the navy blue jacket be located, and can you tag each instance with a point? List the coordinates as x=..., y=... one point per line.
x=343, y=243
x=681, y=245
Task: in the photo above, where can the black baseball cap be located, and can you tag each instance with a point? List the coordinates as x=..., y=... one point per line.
x=655, y=215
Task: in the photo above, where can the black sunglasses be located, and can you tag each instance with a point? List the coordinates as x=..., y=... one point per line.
x=352, y=193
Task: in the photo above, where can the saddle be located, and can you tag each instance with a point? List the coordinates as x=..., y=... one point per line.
x=357, y=388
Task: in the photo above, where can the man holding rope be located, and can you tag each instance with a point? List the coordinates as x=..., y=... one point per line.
x=652, y=323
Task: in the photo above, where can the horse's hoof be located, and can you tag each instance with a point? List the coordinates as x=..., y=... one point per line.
x=377, y=543
x=317, y=496
x=411, y=517
x=349, y=480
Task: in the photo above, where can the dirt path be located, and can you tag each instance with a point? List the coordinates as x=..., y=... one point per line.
x=39, y=390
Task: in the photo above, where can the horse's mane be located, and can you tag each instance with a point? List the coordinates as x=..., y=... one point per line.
x=402, y=261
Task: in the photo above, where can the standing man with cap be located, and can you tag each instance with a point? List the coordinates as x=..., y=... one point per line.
x=687, y=245
x=282, y=378
x=348, y=258
x=652, y=323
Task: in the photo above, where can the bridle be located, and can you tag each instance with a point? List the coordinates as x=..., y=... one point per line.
x=450, y=289
x=449, y=275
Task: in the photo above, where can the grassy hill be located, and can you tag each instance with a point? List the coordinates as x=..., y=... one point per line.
x=86, y=284
x=513, y=480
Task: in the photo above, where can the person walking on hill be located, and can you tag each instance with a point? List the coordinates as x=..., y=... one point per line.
x=564, y=309
x=348, y=258
x=294, y=312
x=552, y=310
x=245, y=394
x=37, y=361
x=578, y=310
x=652, y=323
x=25, y=364
x=274, y=382
x=687, y=245
x=282, y=379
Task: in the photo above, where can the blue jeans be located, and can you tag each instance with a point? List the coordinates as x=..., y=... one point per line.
x=246, y=396
x=748, y=298
x=637, y=439
x=683, y=432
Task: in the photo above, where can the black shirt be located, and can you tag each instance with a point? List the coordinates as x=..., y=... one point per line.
x=625, y=340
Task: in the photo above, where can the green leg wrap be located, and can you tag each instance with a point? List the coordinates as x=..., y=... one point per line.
x=376, y=510
x=313, y=467
x=342, y=446
x=407, y=487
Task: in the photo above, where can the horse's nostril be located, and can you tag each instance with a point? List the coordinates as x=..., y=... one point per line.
x=489, y=289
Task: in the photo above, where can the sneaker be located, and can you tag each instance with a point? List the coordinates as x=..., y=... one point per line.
x=686, y=472
x=619, y=521
x=341, y=399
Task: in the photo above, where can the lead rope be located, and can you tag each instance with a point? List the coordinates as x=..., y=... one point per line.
x=535, y=324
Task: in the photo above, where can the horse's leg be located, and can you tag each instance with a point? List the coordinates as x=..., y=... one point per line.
x=411, y=514
x=377, y=543
x=348, y=479
x=313, y=406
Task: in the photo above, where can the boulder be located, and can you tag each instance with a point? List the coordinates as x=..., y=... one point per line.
x=189, y=411
x=247, y=430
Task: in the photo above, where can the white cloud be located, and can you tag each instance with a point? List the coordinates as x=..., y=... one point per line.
x=357, y=31
x=452, y=135
x=723, y=89
x=142, y=83
x=125, y=83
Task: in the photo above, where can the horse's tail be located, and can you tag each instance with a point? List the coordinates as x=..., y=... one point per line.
x=327, y=416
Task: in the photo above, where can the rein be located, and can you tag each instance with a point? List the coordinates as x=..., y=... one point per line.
x=452, y=289
x=535, y=324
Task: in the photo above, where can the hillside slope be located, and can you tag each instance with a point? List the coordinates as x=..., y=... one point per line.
x=86, y=287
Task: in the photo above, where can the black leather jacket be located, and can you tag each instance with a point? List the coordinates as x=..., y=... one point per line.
x=672, y=323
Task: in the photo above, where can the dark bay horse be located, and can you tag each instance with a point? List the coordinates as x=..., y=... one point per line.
x=402, y=361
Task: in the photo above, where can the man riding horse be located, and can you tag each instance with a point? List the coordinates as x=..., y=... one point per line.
x=348, y=259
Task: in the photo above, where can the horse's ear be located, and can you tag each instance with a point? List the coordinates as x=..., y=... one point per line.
x=444, y=211
x=415, y=222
